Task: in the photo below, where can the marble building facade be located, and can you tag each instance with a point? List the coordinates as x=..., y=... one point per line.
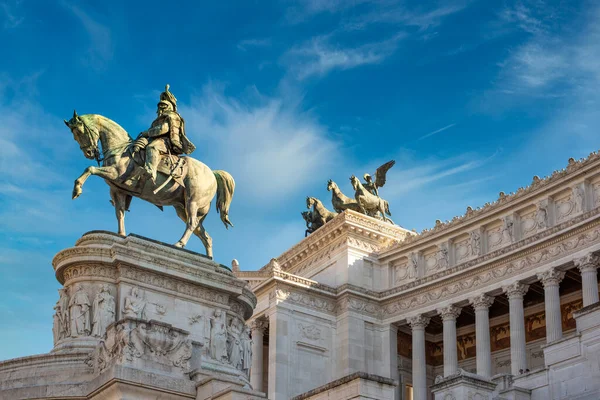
x=499, y=303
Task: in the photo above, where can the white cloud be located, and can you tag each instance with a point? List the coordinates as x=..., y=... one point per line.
x=437, y=131
x=11, y=20
x=270, y=146
x=100, y=51
x=319, y=56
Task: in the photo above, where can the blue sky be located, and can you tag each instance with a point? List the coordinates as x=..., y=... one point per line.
x=469, y=97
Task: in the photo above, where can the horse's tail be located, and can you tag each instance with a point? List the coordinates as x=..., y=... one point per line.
x=387, y=208
x=225, y=188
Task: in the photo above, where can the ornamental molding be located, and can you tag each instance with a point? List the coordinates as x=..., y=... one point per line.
x=574, y=169
x=493, y=273
x=348, y=228
x=286, y=295
x=475, y=265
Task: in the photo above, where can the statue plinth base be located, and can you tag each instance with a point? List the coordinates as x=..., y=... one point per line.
x=139, y=318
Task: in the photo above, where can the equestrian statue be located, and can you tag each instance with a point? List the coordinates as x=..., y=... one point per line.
x=153, y=167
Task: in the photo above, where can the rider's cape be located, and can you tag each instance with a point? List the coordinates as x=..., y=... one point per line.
x=179, y=140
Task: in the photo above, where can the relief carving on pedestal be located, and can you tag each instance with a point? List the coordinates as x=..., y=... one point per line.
x=104, y=311
x=234, y=342
x=79, y=310
x=135, y=305
x=61, y=327
x=218, y=337
x=246, y=351
x=131, y=339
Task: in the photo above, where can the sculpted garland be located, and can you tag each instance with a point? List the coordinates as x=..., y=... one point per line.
x=153, y=168
x=366, y=200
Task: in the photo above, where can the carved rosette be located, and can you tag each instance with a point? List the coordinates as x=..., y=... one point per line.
x=450, y=312
x=551, y=277
x=418, y=321
x=481, y=302
x=515, y=290
x=589, y=262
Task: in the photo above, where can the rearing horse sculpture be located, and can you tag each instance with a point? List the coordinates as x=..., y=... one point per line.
x=190, y=194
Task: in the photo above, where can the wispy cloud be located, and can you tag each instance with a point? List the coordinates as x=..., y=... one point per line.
x=245, y=44
x=101, y=49
x=11, y=20
x=319, y=56
x=269, y=144
x=437, y=131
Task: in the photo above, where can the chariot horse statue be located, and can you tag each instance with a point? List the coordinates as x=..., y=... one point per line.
x=153, y=168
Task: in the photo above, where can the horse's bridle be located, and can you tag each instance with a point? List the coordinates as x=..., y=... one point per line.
x=91, y=143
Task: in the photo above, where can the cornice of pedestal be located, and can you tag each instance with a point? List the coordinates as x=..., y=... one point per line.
x=109, y=257
x=353, y=230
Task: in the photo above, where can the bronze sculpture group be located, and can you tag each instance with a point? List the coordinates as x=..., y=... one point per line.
x=153, y=168
x=366, y=200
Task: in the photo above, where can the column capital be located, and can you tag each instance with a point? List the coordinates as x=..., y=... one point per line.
x=481, y=301
x=450, y=312
x=515, y=290
x=551, y=277
x=589, y=262
x=259, y=324
x=418, y=321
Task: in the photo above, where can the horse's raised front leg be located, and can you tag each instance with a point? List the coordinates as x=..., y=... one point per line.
x=121, y=202
x=109, y=173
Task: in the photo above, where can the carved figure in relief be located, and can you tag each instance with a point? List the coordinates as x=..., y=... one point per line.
x=79, y=309
x=541, y=216
x=475, y=243
x=61, y=316
x=234, y=343
x=218, y=337
x=413, y=263
x=507, y=230
x=246, y=350
x=135, y=305
x=578, y=198
x=442, y=257
x=104, y=311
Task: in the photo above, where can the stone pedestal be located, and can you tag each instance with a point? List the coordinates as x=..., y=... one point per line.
x=140, y=319
x=462, y=385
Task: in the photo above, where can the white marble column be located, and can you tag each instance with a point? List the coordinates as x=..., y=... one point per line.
x=481, y=304
x=419, y=367
x=449, y=315
x=551, y=279
x=256, y=371
x=518, y=353
x=588, y=266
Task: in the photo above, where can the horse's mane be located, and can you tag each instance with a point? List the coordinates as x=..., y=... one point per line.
x=108, y=123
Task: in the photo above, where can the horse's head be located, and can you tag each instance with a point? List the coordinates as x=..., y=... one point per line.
x=309, y=201
x=355, y=182
x=330, y=185
x=306, y=215
x=87, y=139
